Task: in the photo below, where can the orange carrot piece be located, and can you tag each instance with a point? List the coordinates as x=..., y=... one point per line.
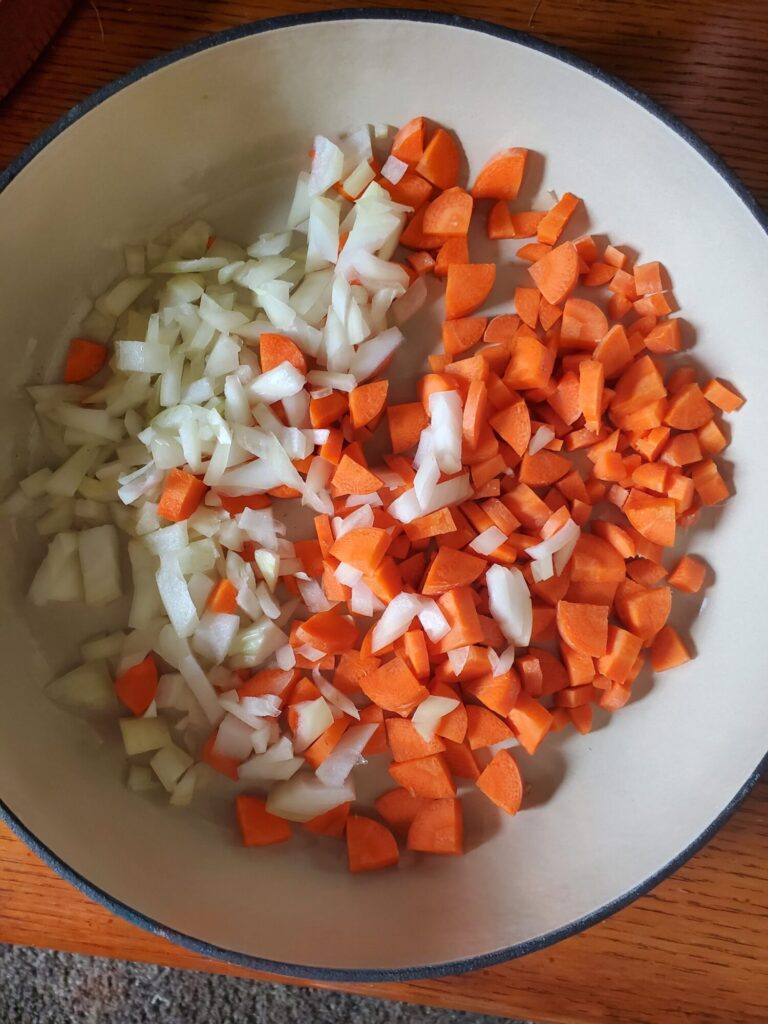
x=581, y=718
x=223, y=765
x=328, y=632
x=503, y=223
x=584, y=627
x=332, y=823
x=431, y=525
x=367, y=401
x=502, y=783
x=458, y=607
x=222, y=598
x=449, y=214
x=363, y=548
x=598, y=274
x=452, y=569
x=668, y=650
x=497, y=693
x=580, y=667
x=182, y=493
x=323, y=412
x=406, y=743
x=591, y=386
x=452, y=251
x=688, y=409
x=527, y=305
x=513, y=425
x=85, y=359
x=622, y=652
x=370, y=845
x=424, y=776
x=530, y=721
x=484, y=728
x=257, y=826
x=422, y=262
x=275, y=349
x=721, y=395
x=595, y=560
x=408, y=143
x=543, y=468
x=394, y=687
x=532, y=252
x=654, y=518
x=664, y=337
x=646, y=572
x=438, y=827
x=688, y=575
x=710, y=486
x=352, y=478
x=501, y=176
x=416, y=653
x=553, y=224
x=468, y=287
x=137, y=686
x=613, y=351
x=530, y=365
x=475, y=412
x=439, y=162
x=460, y=335
x=583, y=324
x=398, y=808
x=406, y=423
x=556, y=273
x=648, y=278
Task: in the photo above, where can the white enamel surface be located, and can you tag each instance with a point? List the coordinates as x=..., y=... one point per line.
x=222, y=133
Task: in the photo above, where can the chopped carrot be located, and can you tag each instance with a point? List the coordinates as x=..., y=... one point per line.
x=556, y=273
x=664, y=337
x=501, y=176
x=584, y=627
x=449, y=214
x=532, y=252
x=530, y=721
x=688, y=575
x=648, y=279
x=329, y=632
x=370, y=845
x=460, y=335
x=643, y=610
x=323, y=412
x=406, y=423
x=527, y=305
x=85, y=359
x=710, y=486
x=497, y=693
x=439, y=162
x=668, y=650
x=227, y=766
x=367, y=402
x=424, y=776
x=182, y=493
x=438, y=827
x=223, y=598
x=137, y=686
x=688, y=409
x=452, y=569
x=722, y=396
x=408, y=143
x=583, y=325
x=257, y=826
x=543, y=468
x=406, y=743
x=275, y=349
x=622, y=652
x=468, y=287
x=352, y=478
x=594, y=560
x=504, y=223
x=531, y=364
x=363, y=548
x=553, y=225
x=398, y=808
x=452, y=251
x=394, y=687
x=475, y=413
x=331, y=823
x=484, y=728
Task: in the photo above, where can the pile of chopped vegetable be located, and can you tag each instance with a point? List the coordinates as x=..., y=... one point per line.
x=494, y=576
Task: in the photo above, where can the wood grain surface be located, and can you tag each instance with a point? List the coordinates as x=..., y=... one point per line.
x=696, y=948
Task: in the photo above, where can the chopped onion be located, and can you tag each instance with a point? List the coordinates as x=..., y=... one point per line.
x=510, y=603
x=432, y=620
x=100, y=563
x=327, y=166
x=347, y=574
x=446, y=412
x=487, y=541
x=393, y=169
x=313, y=596
x=359, y=519
x=458, y=659
x=333, y=695
x=87, y=689
x=141, y=735
x=504, y=662
x=429, y=713
x=233, y=739
x=169, y=764
x=542, y=569
x=214, y=635
x=372, y=354
x=348, y=752
x=305, y=797
x=567, y=533
x=540, y=439
x=395, y=620
x=313, y=718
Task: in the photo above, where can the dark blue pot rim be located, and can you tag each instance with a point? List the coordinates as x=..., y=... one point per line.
x=520, y=949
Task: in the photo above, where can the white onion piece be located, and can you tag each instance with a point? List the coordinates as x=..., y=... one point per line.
x=313, y=718
x=395, y=620
x=336, y=381
x=285, y=657
x=310, y=653
x=304, y=797
x=445, y=413
x=362, y=601
x=214, y=635
x=347, y=574
x=87, y=689
x=563, y=556
x=409, y=304
x=347, y=753
x=169, y=764
x=99, y=549
x=432, y=620
x=262, y=768
x=540, y=439
x=313, y=596
x=567, y=533
x=357, y=520
x=510, y=603
x=299, y=211
x=327, y=166
x=429, y=713
x=268, y=706
x=333, y=695
x=458, y=659
x=280, y=382
x=141, y=735
x=59, y=577
x=542, y=568
x=393, y=169
x=233, y=739
x=487, y=541
x=323, y=235
x=504, y=662
x=373, y=353
x=356, y=500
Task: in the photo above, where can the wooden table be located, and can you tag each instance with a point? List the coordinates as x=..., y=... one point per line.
x=696, y=948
